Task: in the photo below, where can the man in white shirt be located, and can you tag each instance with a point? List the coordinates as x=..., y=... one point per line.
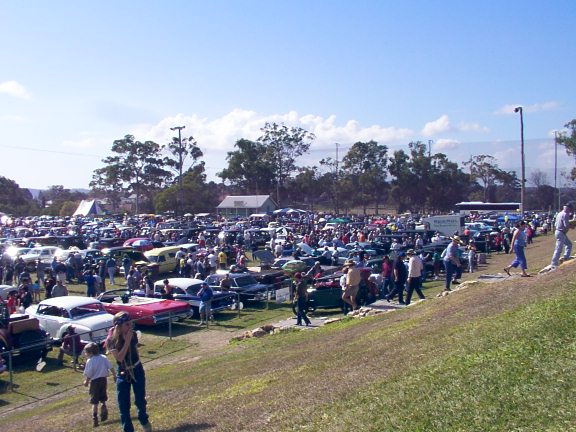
x=415, y=270
x=561, y=227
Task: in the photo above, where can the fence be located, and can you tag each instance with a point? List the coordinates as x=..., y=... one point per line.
x=46, y=344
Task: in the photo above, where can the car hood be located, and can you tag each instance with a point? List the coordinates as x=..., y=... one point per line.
x=95, y=322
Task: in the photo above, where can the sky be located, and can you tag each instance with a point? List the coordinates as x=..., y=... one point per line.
x=75, y=76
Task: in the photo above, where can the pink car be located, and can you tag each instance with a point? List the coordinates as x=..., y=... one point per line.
x=144, y=310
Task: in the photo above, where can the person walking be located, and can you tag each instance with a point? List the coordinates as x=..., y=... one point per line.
x=400, y=275
x=352, y=284
x=123, y=345
x=415, y=270
x=518, y=245
x=111, y=268
x=96, y=374
x=451, y=259
x=301, y=300
x=561, y=227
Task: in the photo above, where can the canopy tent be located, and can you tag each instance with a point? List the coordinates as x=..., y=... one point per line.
x=88, y=208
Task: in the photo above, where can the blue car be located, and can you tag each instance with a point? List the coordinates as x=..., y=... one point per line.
x=186, y=289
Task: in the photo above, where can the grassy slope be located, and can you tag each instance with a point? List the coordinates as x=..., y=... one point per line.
x=492, y=357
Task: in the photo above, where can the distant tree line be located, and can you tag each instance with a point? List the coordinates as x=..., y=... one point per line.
x=367, y=176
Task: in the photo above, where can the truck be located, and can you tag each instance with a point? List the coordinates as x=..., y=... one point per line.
x=446, y=225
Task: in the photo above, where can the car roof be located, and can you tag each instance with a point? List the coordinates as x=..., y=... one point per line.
x=180, y=282
x=69, y=302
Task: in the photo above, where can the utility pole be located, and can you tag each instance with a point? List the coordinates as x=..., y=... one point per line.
x=523, y=185
x=556, y=168
x=336, y=183
x=179, y=193
x=430, y=148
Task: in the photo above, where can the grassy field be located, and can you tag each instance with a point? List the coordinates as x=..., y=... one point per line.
x=493, y=357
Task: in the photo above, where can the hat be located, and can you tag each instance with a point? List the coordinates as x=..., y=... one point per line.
x=456, y=239
x=121, y=318
x=410, y=252
x=349, y=263
x=569, y=204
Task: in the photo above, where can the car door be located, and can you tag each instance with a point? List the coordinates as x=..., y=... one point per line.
x=51, y=318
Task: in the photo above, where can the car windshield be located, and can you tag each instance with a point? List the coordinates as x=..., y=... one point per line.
x=87, y=309
x=153, y=259
x=243, y=281
x=193, y=289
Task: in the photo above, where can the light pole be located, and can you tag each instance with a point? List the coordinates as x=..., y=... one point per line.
x=179, y=193
x=556, y=168
x=523, y=180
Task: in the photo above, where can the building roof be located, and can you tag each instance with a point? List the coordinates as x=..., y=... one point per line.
x=245, y=201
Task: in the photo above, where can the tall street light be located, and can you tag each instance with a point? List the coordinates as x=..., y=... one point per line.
x=523, y=180
x=179, y=193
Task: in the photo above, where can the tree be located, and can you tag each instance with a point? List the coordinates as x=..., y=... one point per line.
x=484, y=168
x=568, y=140
x=366, y=164
x=283, y=145
x=138, y=166
x=15, y=200
x=197, y=195
x=178, y=155
x=248, y=170
x=60, y=197
x=106, y=182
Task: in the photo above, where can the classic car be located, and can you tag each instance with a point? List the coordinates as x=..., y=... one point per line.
x=22, y=335
x=244, y=284
x=86, y=314
x=43, y=253
x=144, y=310
x=186, y=289
x=326, y=292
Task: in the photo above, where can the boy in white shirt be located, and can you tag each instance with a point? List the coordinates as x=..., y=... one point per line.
x=96, y=373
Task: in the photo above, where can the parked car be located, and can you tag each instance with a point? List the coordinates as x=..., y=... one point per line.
x=22, y=335
x=87, y=315
x=164, y=259
x=144, y=310
x=43, y=253
x=186, y=289
x=244, y=284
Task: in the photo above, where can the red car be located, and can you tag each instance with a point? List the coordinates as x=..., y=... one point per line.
x=146, y=311
x=140, y=243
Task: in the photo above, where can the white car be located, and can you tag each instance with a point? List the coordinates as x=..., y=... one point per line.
x=44, y=253
x=86, y=314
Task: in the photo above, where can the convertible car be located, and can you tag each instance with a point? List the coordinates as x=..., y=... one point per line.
x=186, y=289
x=145, y=311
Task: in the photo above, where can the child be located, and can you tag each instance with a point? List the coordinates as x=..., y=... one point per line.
x=36, y=291
x=96, y=372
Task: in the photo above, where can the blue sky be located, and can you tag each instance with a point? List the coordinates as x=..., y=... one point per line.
x=75, y=76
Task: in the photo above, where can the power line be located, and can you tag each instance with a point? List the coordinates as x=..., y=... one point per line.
x=49, y=151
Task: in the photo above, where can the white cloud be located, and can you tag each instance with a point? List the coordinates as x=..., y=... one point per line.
x=437, y=126
x=15, y=89
x=220, y=134
x=538, y=107
x=445, y=144
x=472, y=127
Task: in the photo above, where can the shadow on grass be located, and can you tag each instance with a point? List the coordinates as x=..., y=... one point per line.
x=186, y=427
x=189, y=427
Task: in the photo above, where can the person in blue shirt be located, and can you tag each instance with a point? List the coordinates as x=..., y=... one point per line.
x=518, y=245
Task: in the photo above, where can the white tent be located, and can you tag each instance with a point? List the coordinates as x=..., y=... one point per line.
x=88, y=208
